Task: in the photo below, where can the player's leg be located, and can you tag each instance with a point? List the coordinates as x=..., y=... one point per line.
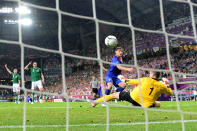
x=114, y=88
x=33, y=86
x=95, y=91
x=108, y=89
x=14, y=92
x=95, y=96
x=40, y=86
x=18, y=93
x=109, y=82
x=121, y=85
x=15, y=97
x=125, y=96
x=107, y=98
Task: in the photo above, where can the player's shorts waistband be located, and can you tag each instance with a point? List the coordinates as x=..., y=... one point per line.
x=110, y=75
x=36, y=81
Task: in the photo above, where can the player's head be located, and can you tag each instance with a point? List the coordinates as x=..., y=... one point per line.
x=15, y=71
x=154, y=74
x=119, y=51
x=35, y=64
x=93, y=78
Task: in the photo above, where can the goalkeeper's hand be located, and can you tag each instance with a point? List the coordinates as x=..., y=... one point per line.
x=126, y=81
x=165, y=81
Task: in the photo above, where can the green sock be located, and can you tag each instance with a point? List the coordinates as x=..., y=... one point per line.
x=32, y=96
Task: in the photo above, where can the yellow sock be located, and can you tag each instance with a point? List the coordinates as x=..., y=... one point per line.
x=107, y=98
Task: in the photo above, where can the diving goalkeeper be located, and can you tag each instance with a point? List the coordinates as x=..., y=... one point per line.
x=151, y=89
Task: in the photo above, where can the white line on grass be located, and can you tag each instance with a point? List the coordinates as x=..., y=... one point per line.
x=112, y=124
x=61, y=107
x=40, y=107
x=54, y=107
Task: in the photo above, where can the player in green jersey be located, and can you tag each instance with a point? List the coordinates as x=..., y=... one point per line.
x=16, y=80
x=37, y=79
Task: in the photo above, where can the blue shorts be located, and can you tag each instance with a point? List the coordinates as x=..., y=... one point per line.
x=113, y=80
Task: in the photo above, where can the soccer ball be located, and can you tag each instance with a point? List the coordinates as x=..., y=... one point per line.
x=122, y=78
x=111, y=41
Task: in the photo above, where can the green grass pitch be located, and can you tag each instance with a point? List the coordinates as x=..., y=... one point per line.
x=82, y=117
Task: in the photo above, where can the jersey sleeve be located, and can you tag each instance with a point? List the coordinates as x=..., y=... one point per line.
x=167, y=90
x=19, y=77
x=132, y=81
x=40, y=71
x=30, y=69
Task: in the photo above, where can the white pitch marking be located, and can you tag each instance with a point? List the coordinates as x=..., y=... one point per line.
x=112, y=124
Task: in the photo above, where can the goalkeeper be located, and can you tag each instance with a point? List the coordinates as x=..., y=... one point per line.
x=151, y=89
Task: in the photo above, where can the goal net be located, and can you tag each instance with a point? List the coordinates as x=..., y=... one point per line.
x=66, y=39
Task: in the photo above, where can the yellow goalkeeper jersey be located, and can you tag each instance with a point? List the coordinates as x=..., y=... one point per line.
x=151, y=89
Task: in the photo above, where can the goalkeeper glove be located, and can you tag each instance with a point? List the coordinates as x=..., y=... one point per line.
x=165, y=81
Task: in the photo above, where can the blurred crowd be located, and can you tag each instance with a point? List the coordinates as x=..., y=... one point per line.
x=79, y=72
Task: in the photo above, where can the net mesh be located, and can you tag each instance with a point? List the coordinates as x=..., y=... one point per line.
x=101, y=62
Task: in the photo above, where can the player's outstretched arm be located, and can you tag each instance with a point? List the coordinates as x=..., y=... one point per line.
x=169, y=91
x=125, y=68
x=6, y=67
x=105, y=69
x=166, y=86
x=27, y=66
x=132, y=81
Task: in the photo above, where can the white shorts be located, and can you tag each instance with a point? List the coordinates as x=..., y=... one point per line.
x=16, y=87
x=36, y=84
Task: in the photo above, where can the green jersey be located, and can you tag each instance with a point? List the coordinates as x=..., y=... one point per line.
x=15, y=78
x=35, y=74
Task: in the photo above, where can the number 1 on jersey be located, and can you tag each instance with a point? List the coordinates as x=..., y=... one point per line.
x=151, y=91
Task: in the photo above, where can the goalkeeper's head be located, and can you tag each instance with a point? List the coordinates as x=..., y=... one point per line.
x=154, y=74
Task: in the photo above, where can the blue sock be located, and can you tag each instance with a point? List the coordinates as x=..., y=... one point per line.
x=107, y=91
x=119, y=89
